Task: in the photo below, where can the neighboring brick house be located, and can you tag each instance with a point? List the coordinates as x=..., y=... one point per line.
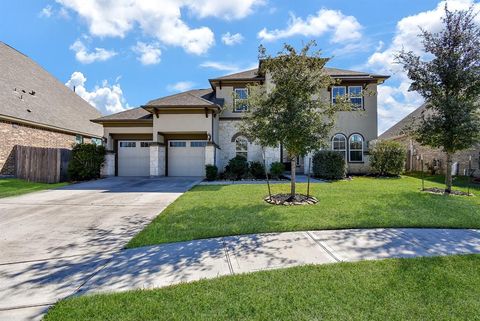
x=434, y=159
x=38, y=110
x=179, y=134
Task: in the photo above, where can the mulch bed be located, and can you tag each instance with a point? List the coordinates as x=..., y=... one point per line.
x=440, y=191
x=286, y=199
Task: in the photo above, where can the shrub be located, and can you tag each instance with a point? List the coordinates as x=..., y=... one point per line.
x=388, y=158
x=277, y=169
x=86, y=162
x=257, y=170
x=211, y=172
x=329, y=165
x=237, y=167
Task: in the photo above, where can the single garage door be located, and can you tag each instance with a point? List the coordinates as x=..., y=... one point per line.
x=186, y=158
x=133, y=158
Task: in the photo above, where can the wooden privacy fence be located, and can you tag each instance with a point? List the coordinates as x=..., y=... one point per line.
x=38, y=164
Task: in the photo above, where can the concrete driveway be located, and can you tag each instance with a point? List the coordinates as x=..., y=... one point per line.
x=51, y=242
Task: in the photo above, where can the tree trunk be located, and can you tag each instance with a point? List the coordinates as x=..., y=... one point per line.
x=293, y=168
x=448, y=174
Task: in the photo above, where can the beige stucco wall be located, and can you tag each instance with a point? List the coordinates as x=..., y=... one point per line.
x=107, y=131
x=177, y=123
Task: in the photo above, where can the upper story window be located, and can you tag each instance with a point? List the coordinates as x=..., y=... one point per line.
x=356, y=96
x=339, y=144
x=241, y=147
x=356, y=148
x=240, y=100
x=338, y=91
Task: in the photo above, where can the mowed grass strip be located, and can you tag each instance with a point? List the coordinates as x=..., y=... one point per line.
x=15, y=187
x=442, y=288
x=212, y=211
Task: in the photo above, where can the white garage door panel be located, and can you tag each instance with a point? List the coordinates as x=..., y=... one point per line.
x=133, y=158
x=186, y=158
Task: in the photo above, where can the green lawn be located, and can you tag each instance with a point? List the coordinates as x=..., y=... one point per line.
x=442, y=288
x=14, y=187
x=210, y=211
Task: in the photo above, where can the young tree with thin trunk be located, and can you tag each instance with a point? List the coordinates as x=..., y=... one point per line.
x=450, y=84
x=290, y=109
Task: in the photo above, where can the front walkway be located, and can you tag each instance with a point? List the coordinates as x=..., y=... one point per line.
x=163, y=265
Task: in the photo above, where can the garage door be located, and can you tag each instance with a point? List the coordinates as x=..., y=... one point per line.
x=186, y=158
x=133, y=158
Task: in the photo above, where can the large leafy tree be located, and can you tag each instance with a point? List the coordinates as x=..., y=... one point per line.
x=290, y=108
x=450, y=84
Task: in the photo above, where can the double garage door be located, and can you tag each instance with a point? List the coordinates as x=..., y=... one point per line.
x=185, y=158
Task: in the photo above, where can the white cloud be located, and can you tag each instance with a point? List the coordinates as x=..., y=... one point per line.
x=231, y=40
x=106, y=98
x=223, y=66
x=159, y=19
x=85, y=57
x=395, y=101
x=46, y=12
x=181, y=86
x=149, y=54
x=228, y=10
x=343, y=28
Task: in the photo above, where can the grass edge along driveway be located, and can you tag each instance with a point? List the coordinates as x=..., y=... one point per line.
x=439, y=288
x=15, y=187
x=364, y=202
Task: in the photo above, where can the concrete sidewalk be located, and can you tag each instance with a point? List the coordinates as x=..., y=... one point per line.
x=163, y=265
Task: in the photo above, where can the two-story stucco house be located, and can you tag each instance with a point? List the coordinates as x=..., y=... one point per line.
x=178, y=135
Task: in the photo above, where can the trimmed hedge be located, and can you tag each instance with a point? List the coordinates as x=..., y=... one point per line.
x=237, y=168
x=211, y=172
x=329, y=165
x=86, y=162
x=388, y=158
x=277, y=169
x=257, y=170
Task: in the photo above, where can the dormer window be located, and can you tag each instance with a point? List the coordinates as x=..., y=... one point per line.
x=240, y=100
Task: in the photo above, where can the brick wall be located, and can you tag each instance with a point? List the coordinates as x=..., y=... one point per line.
x=431, y=154
x=12, y=134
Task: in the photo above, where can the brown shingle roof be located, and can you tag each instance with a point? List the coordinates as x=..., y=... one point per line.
x=399, y=128
x=31, y=94
x=252, y=74
x=191, y=98
x=138, y=113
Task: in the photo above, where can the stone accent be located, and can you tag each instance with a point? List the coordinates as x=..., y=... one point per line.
x=12, y=134
x=227, y=130
x=437, y=159
x=157, y=159
x=210, y=155
x=108, y=168
x=352, y=168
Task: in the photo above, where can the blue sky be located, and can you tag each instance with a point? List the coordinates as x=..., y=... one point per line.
x=123, y=53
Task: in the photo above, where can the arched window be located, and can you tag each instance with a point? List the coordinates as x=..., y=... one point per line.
x=355, y=148
x=339, y=144
x=241, y=147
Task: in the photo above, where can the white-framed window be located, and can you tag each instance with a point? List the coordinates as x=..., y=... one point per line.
x=355, y=148
x=339, y=144
x=338, y=91
x=198, y=144
x=97, y=141
x=128, y=144
x=240, y=100
x=356, y=96
x=241, y=147
x=144, y=144
x=78, y=139
x=178, y=144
